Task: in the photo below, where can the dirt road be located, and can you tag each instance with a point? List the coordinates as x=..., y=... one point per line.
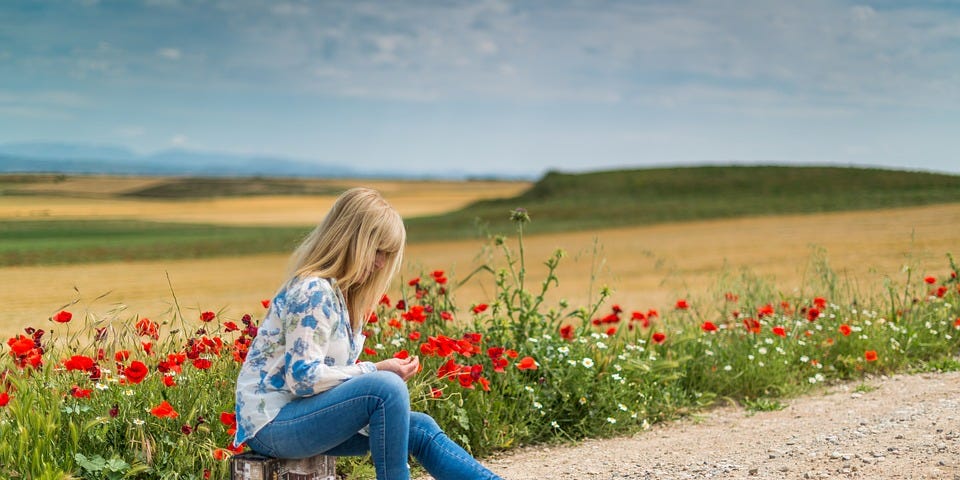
x=901, y=427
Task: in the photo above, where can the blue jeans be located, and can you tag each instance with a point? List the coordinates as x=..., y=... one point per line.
x=328, y=424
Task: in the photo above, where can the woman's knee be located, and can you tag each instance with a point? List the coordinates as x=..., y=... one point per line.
x=423, y=429
x=390, y=385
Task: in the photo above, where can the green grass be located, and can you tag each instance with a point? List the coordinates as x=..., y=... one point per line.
x=564, y=202
x=57, y=242
x=558, y=202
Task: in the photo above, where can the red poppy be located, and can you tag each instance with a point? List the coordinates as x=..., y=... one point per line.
x=402, y=354
x=446, y=315
x=930, y=280
x=708, y=326
x=207, y=316
x=147, y=328
x=230, y=327
x=4, y=399
x=265, y=302
x=479, y=308
x=956, y=323
x=147, y=347
x=78, y=392
x=20, y=345
x=870, y=355
x=659, y=337
x=566, y=332
x=79, y=362
x=845, y=330
x=414, y=281
x=436, y=392
x=221, y=454
x=121, y=355
x=765, y=310
x=414, y=335
x=202, y=363
x=820, y=302
x=401, y=305
x=164, y=410
x=439, y=277
x=813, y=314
x=62, y=316
x=652, y=313
x=611, y=331
x=169, y=381
x=527, y=363
x=227, y=418
x=779, y=331
x=682, y=304
x=415, y=314
x=369, y=351
x=512, y=353
x=752, y=325
x=730, y=297
x=136, y=372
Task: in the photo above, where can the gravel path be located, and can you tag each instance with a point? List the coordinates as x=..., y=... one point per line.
x=907, y=427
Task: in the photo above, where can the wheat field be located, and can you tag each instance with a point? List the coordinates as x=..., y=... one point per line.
x=648, y=267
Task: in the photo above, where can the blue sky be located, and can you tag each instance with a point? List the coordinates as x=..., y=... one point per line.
x=492, y=86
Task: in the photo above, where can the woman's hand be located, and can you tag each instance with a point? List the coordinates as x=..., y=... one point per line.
x=405, y=367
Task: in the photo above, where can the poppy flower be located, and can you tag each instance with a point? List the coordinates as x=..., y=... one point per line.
x=415, y=335
x=446, y=315
x=147, y=328
x=765, y=310
x=479, y=308
x=208, y=316
x=78, y=392
x=813, y=314
x=930, y=280
x=202, y=363
x=752, y=325
x=164, y=410
x=121, y=355
x=779, y=331
x=265, y=302
x=230, y=326
x=228, y=419
x=62, y=316
x=436, y=392
x=659, y=337
x=4, y=399
x=402, y=354
x=20, y=345
x=527, y=363
x=566, y=332
x=221, y=454
x=136, y=372
x=169, y=381
x=845, y=330
x=708, y=326
x=439, y=277
x=147, y=347
x=79, y=362
x=414, y=281
x=870, y=355
x=611, y=331
x=820, y=303
x=730, y=297
x=682, y=304
x=369, y=351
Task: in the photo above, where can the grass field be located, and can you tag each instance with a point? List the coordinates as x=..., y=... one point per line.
x=649, y=266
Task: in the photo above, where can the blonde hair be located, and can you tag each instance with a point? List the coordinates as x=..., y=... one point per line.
x=344, y=247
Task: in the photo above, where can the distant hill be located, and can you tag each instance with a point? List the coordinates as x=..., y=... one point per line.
x=73, y=159
x=66, y=158
x=563, y=201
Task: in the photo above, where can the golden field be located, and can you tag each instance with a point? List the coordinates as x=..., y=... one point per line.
x=648, y=267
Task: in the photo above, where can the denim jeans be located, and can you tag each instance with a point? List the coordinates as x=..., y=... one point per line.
x=328, y=424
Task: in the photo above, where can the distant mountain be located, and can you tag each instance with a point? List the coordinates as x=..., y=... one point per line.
x=79, y=158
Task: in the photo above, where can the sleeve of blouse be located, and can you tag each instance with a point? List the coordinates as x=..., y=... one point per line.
x=310, y=322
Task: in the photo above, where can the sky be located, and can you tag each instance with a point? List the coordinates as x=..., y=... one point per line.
x=490, y=86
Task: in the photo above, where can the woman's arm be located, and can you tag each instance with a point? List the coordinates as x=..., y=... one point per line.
x=312, y=344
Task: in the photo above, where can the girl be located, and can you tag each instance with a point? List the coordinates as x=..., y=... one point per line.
x=300, y=391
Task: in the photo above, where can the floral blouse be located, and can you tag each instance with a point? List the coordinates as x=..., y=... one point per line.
x=305, y=346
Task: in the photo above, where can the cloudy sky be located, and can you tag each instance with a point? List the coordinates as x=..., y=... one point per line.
x=492, y=86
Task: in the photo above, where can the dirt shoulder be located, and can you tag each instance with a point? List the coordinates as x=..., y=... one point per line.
x=906, y=427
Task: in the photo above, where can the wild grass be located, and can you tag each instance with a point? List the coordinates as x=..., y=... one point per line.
x=515, y=370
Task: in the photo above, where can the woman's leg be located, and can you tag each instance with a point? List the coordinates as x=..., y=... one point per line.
x=329, y=422
x=444, y=459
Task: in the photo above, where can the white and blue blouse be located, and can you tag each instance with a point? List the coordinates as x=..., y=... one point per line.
x=304, y=346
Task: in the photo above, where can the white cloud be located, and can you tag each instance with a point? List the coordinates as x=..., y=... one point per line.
x=179, y=140
x=169, y=53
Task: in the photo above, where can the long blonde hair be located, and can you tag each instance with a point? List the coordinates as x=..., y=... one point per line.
x=344, y=247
